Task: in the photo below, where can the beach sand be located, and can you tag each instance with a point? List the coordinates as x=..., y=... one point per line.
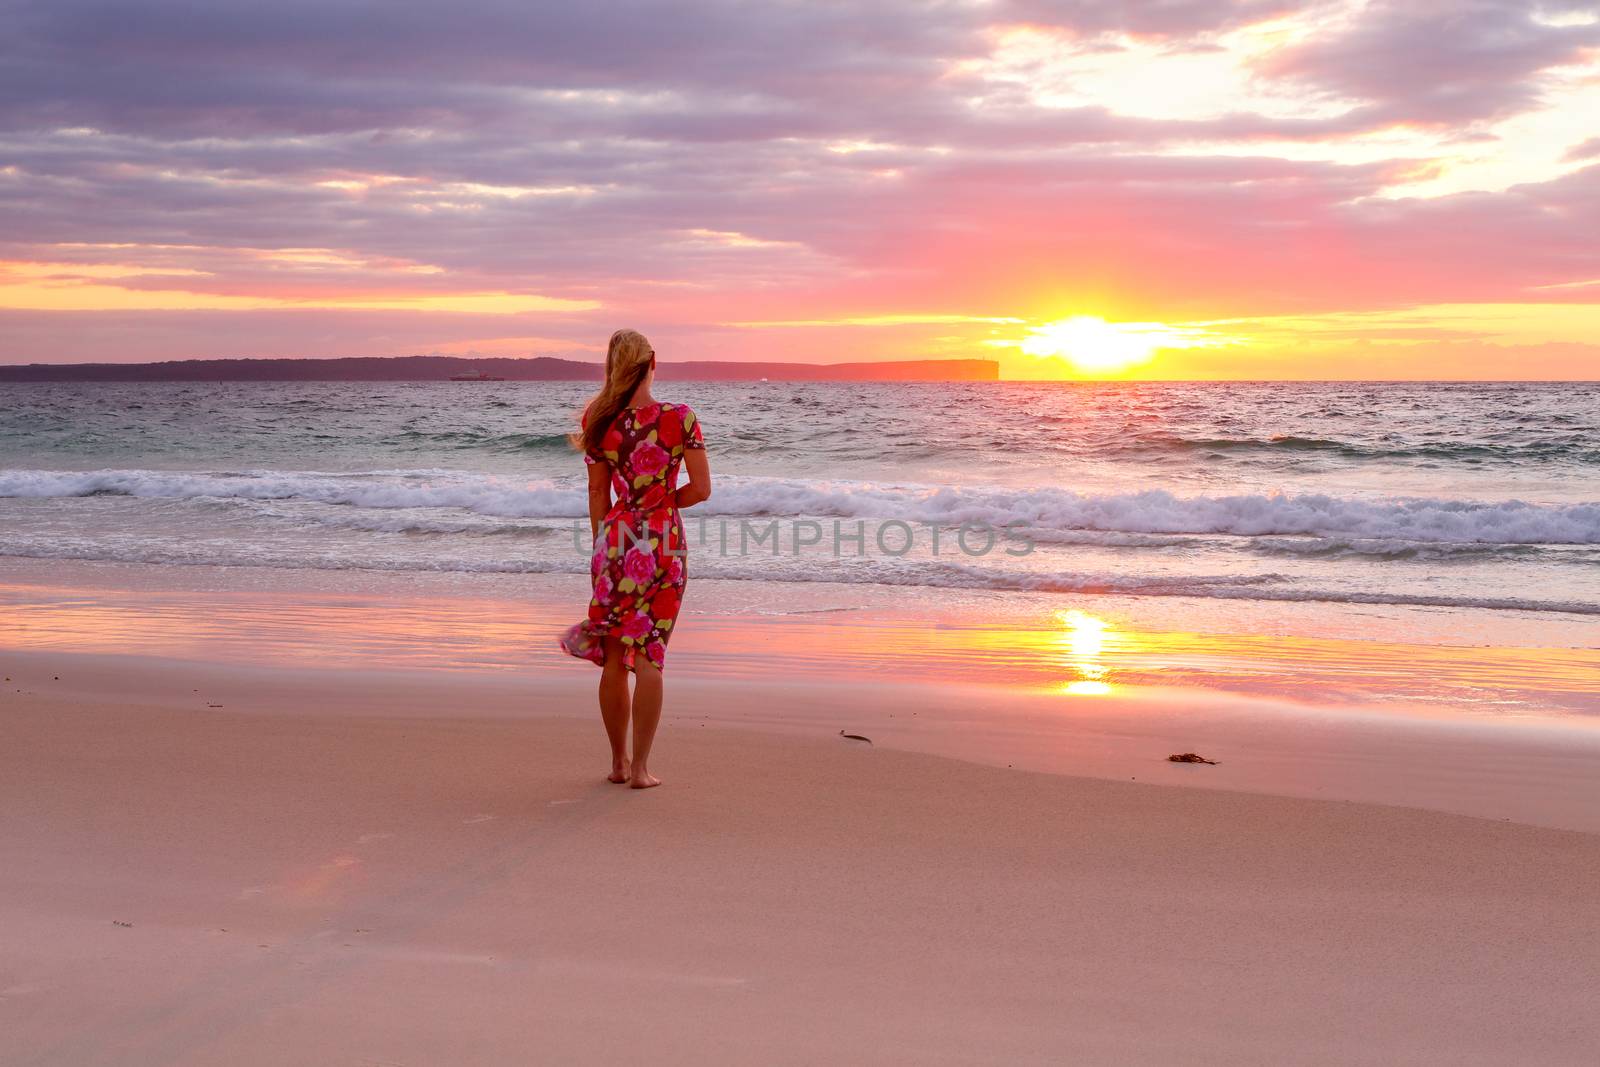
x=345, y=867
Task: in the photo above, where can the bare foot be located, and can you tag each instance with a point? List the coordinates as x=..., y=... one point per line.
x=644, y=780
x=619, y=772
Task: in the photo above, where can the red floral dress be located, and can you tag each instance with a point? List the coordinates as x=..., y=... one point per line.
x=638, y=566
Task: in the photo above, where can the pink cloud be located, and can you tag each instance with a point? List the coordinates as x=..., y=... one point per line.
x=709, y=163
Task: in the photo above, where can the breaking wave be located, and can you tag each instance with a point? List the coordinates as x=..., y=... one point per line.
x=1144, y=518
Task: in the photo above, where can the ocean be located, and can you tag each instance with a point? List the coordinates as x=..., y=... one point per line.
x=1481, y=498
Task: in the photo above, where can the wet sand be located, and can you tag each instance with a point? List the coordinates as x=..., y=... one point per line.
x=355, y=867
x=258, y=819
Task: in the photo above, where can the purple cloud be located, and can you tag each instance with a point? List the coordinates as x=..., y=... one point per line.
x=1439, y=61
x=674, y=159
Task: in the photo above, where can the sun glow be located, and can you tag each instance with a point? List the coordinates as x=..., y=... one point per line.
x=1094, y=346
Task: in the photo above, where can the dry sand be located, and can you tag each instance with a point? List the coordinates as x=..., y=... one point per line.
x=289, y=882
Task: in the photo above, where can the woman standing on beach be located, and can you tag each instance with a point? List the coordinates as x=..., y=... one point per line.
x=633, y=445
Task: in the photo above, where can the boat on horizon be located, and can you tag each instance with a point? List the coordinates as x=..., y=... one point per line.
x=475, y=375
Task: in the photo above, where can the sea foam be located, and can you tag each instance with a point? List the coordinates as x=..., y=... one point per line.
x=1046, y=513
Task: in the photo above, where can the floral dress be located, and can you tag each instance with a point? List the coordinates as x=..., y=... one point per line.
x=638, y=566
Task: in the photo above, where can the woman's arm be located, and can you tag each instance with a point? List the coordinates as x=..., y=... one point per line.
x=599, y=496
x=699, y=487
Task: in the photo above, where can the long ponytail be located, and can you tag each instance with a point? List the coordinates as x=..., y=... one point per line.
x=628, y=360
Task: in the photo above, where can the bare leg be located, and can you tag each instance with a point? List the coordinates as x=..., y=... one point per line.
x=614, y=709
x=646, y=716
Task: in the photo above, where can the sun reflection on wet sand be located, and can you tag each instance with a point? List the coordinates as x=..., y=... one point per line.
x=1068, y=651
x=1084, y=639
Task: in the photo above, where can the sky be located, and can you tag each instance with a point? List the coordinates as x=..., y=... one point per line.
x=1167, y=189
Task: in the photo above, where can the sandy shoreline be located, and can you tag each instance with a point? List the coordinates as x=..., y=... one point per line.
x=259, y=820
x=388, y=887
x=1538, y=771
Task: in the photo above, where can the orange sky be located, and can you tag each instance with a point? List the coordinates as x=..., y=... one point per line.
x=1203, y=189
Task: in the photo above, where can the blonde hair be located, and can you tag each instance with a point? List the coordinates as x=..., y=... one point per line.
x=629, y=358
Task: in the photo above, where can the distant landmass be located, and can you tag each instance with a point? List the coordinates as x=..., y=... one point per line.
x=534, y=369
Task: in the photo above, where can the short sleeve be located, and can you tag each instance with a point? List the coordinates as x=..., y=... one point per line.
x=691, y=430
x=590, y=458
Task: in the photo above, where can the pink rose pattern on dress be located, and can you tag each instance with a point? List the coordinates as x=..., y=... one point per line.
x=649, y=458
x=638, y=566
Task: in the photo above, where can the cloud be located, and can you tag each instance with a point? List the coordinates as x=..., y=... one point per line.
x=1437, y=61
x=1588, y=150
x=1163, y=18
x=688, y=165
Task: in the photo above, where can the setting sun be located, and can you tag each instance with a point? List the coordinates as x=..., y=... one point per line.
x=1094, y=346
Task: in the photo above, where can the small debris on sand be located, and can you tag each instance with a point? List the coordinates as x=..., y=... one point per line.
x=1190, y=757
x=855, y=737
x=213, y=705
x=119, y=922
